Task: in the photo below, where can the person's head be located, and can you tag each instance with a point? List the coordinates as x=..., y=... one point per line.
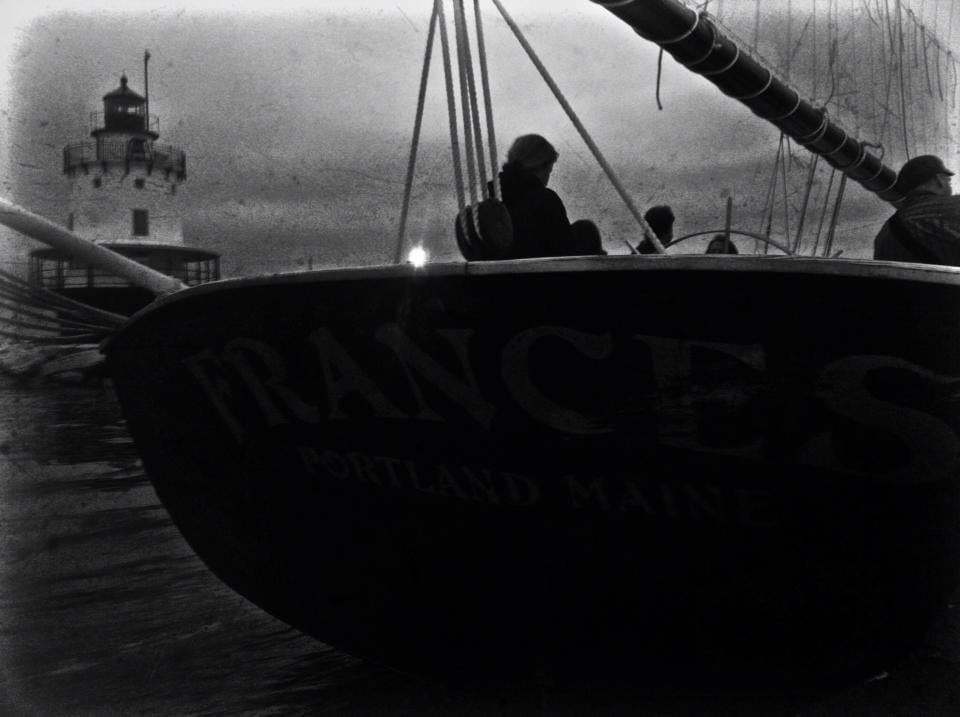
x=534, y=154
x=586, y=238
x=660, y=219
x=720, y=244
x=925, y=172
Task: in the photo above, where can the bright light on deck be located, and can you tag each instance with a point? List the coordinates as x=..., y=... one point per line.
x=417, y=256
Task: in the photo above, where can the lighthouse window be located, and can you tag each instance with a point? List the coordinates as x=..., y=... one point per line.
x=136, y=149
x=141, y=222
x=138, y=183
x=97, y=182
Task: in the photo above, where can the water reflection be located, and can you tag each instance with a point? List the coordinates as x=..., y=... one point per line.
x=104, y=607
x=105, y=610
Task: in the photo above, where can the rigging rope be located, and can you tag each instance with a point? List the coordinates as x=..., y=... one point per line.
x=475, y=181
x=15, y=287
x=837, y=202
x=939, y=78
x=813, y=33
x=808, y=189
x=888, y=65
x=786, y=191
x=766, y=221
x=415, y=143
x=659, y=76
x=64, y=341
x=45, y=318
x=823, y=214
x=903, y=93
x=893, y=44
x=953, y=66
x=473, y=133
x=36, y=316
x=466, y=70
x=466, y=104
x=873, y=63
x=950, y=26
x=926, y=58
x=452, y=114
x=789, y=39
x=756, y=26
x=487, y=102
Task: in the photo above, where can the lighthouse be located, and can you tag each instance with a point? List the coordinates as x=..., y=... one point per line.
x=125, y=191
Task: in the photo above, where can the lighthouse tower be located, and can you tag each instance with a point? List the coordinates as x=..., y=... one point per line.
x=125, y=183
x=124, y=195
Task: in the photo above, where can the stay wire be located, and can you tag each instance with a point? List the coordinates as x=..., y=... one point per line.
x=808, y=189
x=770, y=198
x=473, y=134
x=786, y=198
x=823, y=214
x=487, y=102
x=417, y=126
x=903, y=91
x=834, y=219
x=659, y=76
x=452, y=116
x=465, y=103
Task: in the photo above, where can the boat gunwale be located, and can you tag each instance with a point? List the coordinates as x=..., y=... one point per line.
x=743, y=263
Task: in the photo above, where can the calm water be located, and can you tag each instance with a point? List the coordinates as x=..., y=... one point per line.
x=104, y=610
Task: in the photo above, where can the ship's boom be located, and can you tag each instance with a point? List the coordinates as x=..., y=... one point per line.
x=696, y=42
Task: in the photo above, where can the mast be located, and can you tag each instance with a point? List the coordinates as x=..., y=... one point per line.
x=146, y=87
x=696, y=43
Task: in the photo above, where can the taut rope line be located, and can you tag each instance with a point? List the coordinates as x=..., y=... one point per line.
x=452, y=113
x=466, y=105
x=487, y=101
x=414, y=144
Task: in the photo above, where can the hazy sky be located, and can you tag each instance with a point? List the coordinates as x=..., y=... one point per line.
x=297, y=117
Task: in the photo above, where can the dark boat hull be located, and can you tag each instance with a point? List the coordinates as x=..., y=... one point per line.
x=620, y=463
x=123, y=300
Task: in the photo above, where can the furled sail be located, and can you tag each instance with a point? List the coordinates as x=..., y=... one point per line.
x=696, y=42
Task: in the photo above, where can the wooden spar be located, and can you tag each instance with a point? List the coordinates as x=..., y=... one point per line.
x=696, y=43
x=46, y=231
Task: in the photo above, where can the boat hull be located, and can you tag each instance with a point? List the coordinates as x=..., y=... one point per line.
x=609, y=465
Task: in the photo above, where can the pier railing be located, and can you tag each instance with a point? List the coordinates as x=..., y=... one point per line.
x=58, y=272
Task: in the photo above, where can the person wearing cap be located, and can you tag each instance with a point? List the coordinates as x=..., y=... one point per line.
x=926, y=226
x=540, y=223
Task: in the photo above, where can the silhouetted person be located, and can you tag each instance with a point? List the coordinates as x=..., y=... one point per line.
x=660, y=219
x=539, y=219
x=721, y=244
x=926, y=227
x=586, y=239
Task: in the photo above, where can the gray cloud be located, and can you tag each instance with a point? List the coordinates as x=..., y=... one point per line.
x=297, y=125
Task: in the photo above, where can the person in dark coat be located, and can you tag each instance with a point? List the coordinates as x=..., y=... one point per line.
x=586, y=239
x=926, y=227
x=660, y=219
x=539, y=219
